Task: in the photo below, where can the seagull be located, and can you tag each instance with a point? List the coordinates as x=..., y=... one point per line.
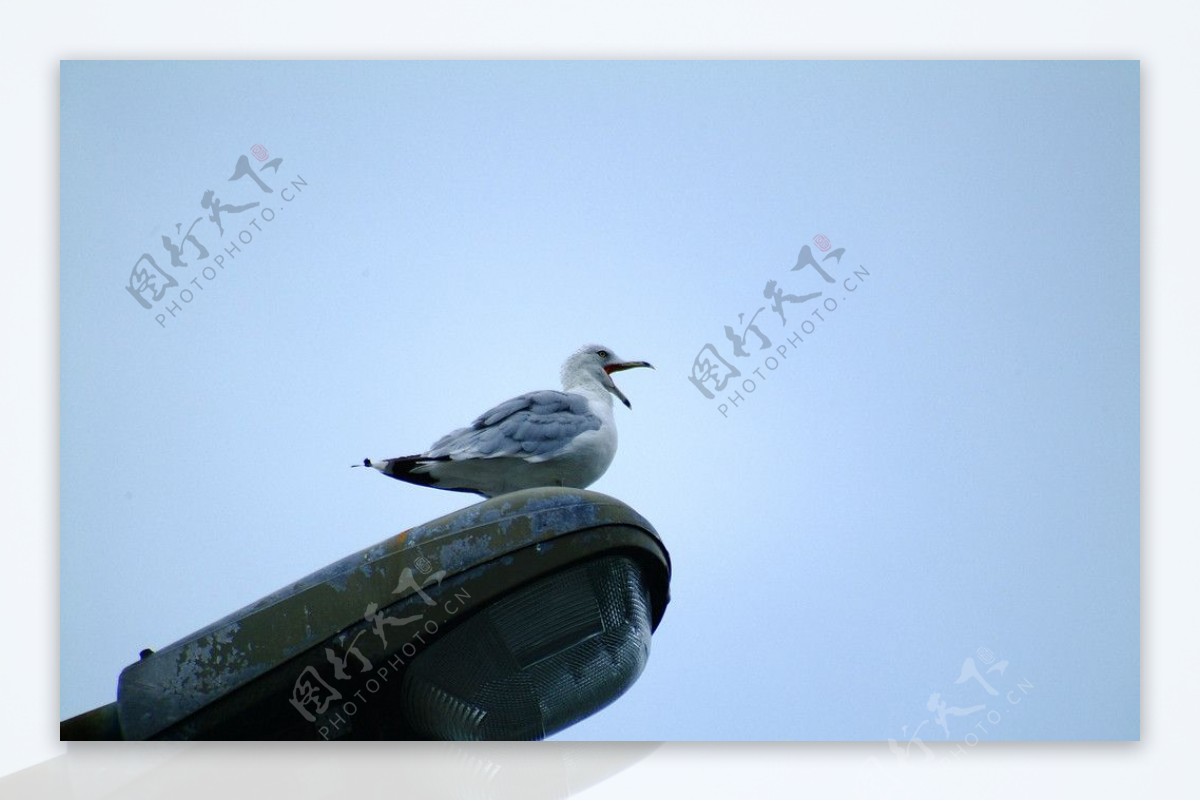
x=545, y=438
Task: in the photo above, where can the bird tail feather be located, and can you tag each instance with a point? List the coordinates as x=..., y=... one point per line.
x=413, y=469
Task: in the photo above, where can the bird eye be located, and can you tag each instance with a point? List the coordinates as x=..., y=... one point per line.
x=603, y=354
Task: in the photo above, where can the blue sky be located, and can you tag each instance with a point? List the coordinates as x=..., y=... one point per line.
x=945, y=469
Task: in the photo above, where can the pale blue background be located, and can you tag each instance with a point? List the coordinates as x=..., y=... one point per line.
x=949, y=463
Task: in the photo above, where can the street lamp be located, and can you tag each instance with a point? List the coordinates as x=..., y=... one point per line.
x=510, y=619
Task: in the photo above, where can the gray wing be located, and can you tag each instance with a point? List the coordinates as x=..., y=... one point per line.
x=536, y=424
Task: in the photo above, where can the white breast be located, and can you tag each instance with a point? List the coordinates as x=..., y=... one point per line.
x=590, y=453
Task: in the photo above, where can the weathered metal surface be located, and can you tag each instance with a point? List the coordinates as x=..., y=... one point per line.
x=289, y=625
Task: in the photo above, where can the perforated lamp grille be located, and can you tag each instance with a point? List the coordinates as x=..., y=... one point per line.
x=537, y=660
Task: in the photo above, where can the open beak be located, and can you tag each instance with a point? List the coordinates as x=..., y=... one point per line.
x=617, y=367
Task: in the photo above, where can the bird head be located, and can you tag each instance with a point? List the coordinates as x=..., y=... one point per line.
x=597, y=363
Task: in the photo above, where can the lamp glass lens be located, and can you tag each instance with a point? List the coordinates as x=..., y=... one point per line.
x=539, y=659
